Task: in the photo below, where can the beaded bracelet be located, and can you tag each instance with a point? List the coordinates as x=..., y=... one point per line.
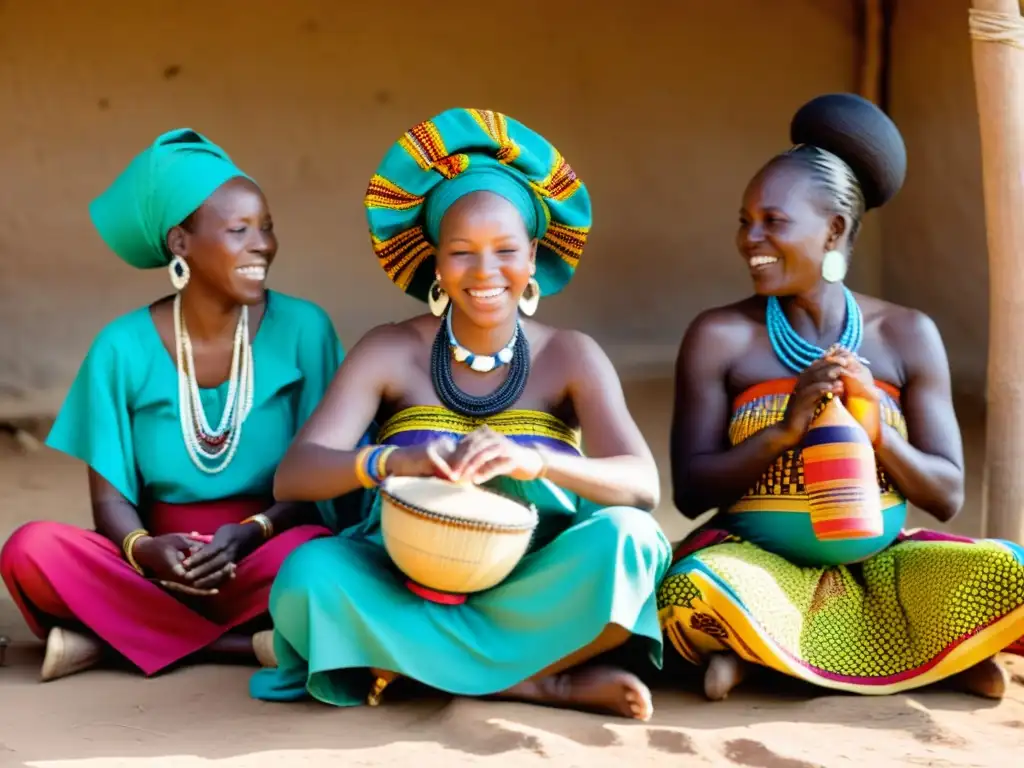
x=371, y=464
x=378, y=463
x=360, y=467
x=128, y=544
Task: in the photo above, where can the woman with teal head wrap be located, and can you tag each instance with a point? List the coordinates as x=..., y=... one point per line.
x=480, y=217
x=182, y=499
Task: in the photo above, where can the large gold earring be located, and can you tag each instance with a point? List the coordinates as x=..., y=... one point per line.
x=833, y=266
x=530, y=299
x=437, y=299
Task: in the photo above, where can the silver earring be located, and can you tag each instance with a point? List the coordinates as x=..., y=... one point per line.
x=437, y=299
x=180, y=273
x=833, y=266
x=530, y=299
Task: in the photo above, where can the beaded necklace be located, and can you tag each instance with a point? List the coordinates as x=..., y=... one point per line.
x=797, y=353
x=212, y=449
x=453, y=398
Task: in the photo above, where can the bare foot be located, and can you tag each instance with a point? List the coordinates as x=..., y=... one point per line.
x=725, y=671
x=597, y=689
x=986, y=678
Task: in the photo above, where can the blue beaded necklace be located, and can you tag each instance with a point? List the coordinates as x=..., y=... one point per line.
x=796, y=353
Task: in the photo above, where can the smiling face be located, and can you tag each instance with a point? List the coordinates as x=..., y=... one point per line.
x=485, y=258
x=229, y=242
x=785, y=230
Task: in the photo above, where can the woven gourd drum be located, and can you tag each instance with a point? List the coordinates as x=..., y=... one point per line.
x=452, y=539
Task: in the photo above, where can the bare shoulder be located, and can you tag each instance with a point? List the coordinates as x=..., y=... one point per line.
x=576, y=350
x=387, y=346
x=907, y=331
x=722, y=333
x=394, y=336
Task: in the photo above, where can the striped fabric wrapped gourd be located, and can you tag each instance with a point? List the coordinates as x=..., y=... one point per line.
x=841, y=477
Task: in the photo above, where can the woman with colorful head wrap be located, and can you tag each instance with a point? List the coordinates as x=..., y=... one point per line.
x=181, y=411
x=482, y=218
x=809, y=416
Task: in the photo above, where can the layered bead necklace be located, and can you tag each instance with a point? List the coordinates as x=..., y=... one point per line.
x=797, y=353
x=516, y=354
x=212, y=449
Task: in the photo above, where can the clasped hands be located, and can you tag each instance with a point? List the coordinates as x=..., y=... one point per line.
x=842, y=374
x=194, y=564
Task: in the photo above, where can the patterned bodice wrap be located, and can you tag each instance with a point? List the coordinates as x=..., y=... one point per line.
x=782, y=485
x=419, y=424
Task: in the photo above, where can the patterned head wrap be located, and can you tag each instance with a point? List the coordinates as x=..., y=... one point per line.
x=470, y=150
x=159, y=189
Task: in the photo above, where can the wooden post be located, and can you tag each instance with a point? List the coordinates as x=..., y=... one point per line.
x=872, y=50
x=999, y=87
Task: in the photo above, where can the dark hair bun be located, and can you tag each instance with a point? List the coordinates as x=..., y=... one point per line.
x=862, y=135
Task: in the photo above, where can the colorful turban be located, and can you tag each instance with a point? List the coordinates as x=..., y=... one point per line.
x=159, y=189
x=470, y=150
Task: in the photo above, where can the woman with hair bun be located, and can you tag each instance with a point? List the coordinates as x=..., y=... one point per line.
x=809, y=416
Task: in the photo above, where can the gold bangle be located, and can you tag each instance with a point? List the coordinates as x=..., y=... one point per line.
x=128, y=544
x=266, y=526
x=382, y=460
x=360, y=468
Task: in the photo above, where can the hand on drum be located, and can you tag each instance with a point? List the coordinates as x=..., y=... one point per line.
x=485, y=454
x=429, y=460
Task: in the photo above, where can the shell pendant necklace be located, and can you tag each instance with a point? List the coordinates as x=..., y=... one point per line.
x=212, y=449
x=516, y=354
x=480, y=363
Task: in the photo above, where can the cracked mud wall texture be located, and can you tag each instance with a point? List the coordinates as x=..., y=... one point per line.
x=665, y=110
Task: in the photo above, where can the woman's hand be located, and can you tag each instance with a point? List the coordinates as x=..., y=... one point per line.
x=819, y=379
x=485, y=454
x=856, y=378
x=428, y=460
x=162, y=556
x=860, y=395
x=215, y=562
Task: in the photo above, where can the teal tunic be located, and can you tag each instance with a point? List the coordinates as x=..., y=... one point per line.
x=121, y=414
x=340, y=606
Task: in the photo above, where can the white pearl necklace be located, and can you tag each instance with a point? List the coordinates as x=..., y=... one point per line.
x=190, y=404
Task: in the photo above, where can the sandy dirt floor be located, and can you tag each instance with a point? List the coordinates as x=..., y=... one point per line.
x=202, y=716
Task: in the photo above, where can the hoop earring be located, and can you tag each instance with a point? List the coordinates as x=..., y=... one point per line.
x=180, y=273
x=833, y=266
x=530, y=299
x=437, y=299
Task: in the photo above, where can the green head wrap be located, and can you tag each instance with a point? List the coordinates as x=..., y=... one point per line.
x=461, y=151
x=483, y=177
x=161, y=187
